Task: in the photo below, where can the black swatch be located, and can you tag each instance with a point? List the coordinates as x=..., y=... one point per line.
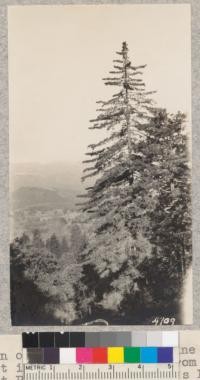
x=29, y=340
x=77, y=339
x=62, y=340
x=46, y=339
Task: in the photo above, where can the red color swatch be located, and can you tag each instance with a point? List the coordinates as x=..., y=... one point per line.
x=100, y=355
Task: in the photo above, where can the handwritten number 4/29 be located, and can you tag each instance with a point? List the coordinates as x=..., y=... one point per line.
x=163, y=321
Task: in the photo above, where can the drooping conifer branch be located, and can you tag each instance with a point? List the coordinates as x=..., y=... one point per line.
x=123, y=116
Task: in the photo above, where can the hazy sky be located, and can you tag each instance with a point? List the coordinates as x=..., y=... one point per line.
x=58, y=55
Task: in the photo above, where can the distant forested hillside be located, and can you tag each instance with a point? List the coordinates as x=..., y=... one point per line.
x=48, y=185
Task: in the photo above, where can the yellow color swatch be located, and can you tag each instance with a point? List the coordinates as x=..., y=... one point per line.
x=115, y=355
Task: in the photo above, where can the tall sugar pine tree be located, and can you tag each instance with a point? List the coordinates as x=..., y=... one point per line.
x=123, y=116
x=117, y=246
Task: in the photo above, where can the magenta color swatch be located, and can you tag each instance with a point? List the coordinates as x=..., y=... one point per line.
x=84, y=355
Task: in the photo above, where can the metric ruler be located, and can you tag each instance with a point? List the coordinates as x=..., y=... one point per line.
x=104, y=372
x=186, y=364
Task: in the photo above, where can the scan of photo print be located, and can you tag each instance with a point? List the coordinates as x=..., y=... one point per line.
x=100, y=164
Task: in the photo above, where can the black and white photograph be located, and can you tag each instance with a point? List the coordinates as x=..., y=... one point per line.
x=100, y=164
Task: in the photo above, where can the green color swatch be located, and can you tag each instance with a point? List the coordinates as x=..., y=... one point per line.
x=131, y=354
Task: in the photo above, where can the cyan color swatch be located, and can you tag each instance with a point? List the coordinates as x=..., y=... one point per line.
x=148, y=355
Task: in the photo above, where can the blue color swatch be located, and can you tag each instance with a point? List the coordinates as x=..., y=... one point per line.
x=165, y=355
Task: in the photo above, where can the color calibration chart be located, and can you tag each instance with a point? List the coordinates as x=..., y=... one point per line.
x=101, y=348
x=101, y=355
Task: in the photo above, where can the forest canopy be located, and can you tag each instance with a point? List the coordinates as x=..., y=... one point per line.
x=125, y=255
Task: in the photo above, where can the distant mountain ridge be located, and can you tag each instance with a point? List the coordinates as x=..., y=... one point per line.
x=45, y=185
x=28, y=197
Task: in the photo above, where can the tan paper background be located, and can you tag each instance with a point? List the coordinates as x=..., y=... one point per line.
x=5, y=325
